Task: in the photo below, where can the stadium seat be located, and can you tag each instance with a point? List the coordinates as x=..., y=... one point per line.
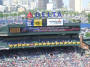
x=65, y=43
x=78, y=42
x=36, y=44
x=57, y=43
x=27, y=44
x=23, y=45
x=10, y=45
x=74, y=43
x=15, y=45
x=53, y=43
x=44, y=43
x=40, y=44
x=19, y=45
x=70, y=43
x=61, y=43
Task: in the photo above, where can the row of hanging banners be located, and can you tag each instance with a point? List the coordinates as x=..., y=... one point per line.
x=44, y=22
x=35, y=22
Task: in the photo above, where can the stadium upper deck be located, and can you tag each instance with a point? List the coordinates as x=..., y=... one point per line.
x=22, y=29
x=11, y=32
x=33, y=32
x=22, y=36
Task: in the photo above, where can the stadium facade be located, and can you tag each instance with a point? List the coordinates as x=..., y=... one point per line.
x=39, y=32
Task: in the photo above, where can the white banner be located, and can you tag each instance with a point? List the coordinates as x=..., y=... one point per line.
x=55, y=22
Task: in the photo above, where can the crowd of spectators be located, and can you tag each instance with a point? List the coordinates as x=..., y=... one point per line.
x=44, y=57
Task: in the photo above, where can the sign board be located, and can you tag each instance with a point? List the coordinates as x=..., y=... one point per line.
x=14, y=30
x=44, y=14
x=38, y=22
x=29, y=15
x=30, y=22
x=55, y=22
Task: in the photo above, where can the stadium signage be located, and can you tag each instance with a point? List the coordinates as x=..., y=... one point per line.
x=29, y=22
x=44, y=14
x=38, y=22
x=55, y=22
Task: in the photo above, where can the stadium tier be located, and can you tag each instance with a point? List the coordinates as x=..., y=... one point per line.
x=39, y=33
x=22, y=29
x=44, y=57
x=39, y=41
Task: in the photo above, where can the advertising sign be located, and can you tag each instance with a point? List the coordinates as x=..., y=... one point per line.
x=30, y=22
x=44, y=14
x=55, y=22
x=29, y=29
x=48, y=14
x=29, y=15
x=38, y=22
x=14, y=30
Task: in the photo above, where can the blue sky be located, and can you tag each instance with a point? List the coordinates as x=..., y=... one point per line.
x=84, y=3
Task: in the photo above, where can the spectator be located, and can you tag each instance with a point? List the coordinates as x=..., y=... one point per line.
x=41, y=57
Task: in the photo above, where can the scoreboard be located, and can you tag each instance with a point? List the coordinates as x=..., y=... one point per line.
x=14, y=30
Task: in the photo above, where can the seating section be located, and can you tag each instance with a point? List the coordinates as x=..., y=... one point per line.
x=42, y=42
x=44, y=57
x=26, y=43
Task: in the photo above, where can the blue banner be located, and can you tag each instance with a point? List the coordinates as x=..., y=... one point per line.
x=30, y=22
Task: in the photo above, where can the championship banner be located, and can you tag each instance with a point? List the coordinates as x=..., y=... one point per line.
x=55, y=22
x=38, y=22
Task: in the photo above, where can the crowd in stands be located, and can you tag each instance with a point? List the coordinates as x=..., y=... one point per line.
x=44, y=57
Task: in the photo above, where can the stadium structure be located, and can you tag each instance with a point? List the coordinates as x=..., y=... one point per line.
x=47, y=32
